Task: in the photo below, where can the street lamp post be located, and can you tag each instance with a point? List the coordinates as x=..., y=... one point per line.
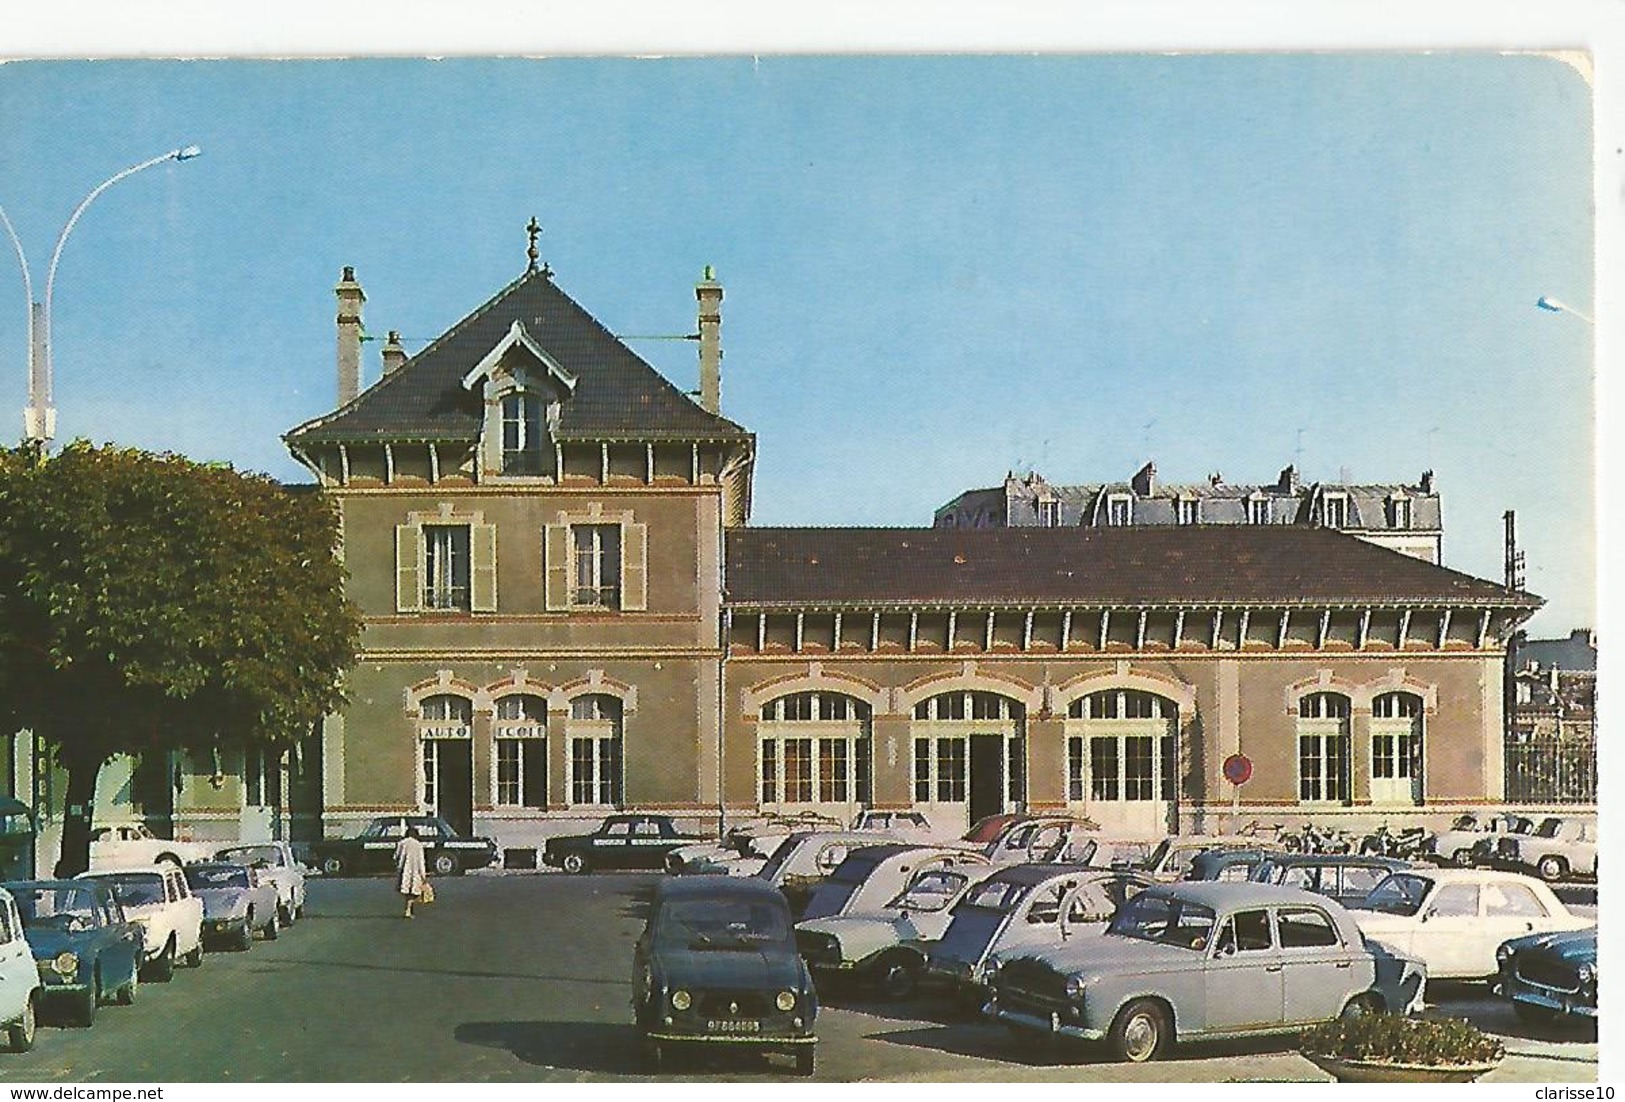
x=1547, y=302
x=39, y=418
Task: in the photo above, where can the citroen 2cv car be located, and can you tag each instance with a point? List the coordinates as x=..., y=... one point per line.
x=1202, y=960
x=717, y=965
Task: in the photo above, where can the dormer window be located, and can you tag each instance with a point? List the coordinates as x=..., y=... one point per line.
x=1119, y=511
x=1335, y=511
x=1258, y=510
x=1399, y=512
x=1185, y=510
x=1049, y=514
x=522, y=435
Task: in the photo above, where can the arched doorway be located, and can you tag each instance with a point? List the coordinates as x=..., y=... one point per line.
x=1121, y=757
x=970, y=756
x=1396, y=749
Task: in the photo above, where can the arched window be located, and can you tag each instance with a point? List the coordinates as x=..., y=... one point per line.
x=1126, y=762
x=992, y=743
x=445, y=716
x=969, y=705
x=1123, y=704
x=815, y=748
x=520, y=738
x=1396, y=706
x=1323, y=748
x=595, y=750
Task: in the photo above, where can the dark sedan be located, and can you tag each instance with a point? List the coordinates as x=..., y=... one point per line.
x=1345, y=877
x=717, y=964
x=84, y=946
x=373, y=850
x=631, y=840
x=1546, y=975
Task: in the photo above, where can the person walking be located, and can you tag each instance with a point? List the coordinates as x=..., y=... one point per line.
x=411, y=876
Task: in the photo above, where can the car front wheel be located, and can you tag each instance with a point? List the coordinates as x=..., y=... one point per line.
x=1463, y=859
x=20, y=1034
x=575, y=863
x=334, y=866
x=445, y=865
x=1552, y=868
x=1362, y=1006
x=162, y=970
x=1141, y=1032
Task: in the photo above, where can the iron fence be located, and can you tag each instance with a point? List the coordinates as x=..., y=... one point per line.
x=1551, y=770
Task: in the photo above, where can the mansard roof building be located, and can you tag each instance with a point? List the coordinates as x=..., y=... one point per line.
x=1405, y=517
x=566, y=611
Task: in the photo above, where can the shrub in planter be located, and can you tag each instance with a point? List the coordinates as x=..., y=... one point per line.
x=1395, y=1041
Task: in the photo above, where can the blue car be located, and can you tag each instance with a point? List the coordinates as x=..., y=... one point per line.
x=1548, y=975
x=85, y=948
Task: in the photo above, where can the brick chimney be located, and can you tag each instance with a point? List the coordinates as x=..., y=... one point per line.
x=394, y=354
x=350, y=298
x=709, y=293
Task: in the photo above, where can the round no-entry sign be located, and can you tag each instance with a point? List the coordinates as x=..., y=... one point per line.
x=1238, y=768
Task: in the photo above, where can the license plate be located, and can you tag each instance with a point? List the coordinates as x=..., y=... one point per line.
x=729, y=1026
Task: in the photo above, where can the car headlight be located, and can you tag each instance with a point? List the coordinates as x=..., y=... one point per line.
x=1585, y=973
x=786, y=1000
x=1503, y=953
x=990, y=970
x=1074, y=987
x=681, y=1000
x=66, y=963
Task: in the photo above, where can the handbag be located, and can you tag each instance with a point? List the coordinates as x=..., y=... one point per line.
x=427, y=894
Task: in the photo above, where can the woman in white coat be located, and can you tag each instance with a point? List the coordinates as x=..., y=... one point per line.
x=411, y=877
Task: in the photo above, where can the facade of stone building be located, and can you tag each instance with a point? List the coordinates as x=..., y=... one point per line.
x=567, y=612
x=1401, y=516
x=1551, y=747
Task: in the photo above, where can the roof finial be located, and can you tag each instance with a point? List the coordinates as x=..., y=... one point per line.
x=534, y=230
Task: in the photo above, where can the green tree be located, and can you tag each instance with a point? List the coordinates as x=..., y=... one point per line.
x=152, y=603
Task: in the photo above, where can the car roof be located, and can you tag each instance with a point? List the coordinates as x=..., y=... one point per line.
x=836, y=835
x=55, y=885
x=96, y=874
x=1458, y=876
x=1037, y=873
x=1367, y=860
x=1232, y=893
x=218, y=865
x=711, y=886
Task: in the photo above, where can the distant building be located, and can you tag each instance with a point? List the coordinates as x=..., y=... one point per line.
x=1551, y=752
x=1405, y=518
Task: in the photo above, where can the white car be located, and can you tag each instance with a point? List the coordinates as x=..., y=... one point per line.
x=276, y=863
x=132, y=845
x=1453, y=920
x=1455, y=846
x=19, y=979
x=170, y=916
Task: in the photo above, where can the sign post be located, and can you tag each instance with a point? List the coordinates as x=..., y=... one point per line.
x=1238, y=769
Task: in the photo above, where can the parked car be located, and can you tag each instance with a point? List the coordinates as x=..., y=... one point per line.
x=746, y=846
x=85, y=948
x=1021, y=907
x=276, y=863
x=805, y=858
x=904, y=824
x=1347, y=878
x=1225, y=864
x=1202, y=960
x=373, y=850
x=1171, y=859
x=871, y=876
x=19, y=979
x=132, y=845
x=1546, y=975
x=1061, y=839
x=1455, y=846
x=886, y=946
x=171, y=917
x=626, y=841
x=1453, y=920
x=717, y=964
x=988, y=828
x=237, y=903
x=1556, y=850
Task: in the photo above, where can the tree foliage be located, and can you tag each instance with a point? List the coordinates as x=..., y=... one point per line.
x=150, y=602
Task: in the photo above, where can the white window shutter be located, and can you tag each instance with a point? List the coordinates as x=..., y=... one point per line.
x=483, y=567
x=556, y=553
x=408, y=568
x=635, y=566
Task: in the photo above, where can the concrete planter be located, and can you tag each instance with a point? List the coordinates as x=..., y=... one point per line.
x=1383, y=1071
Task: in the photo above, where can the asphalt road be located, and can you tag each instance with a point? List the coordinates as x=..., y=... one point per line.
x=527, y=978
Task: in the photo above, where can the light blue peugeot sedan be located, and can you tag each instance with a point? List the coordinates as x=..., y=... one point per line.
x=1203, y=960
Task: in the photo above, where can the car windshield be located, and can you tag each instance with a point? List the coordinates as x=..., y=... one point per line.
x=1167, y=920
x=984, y=830
x=996, y=895
x=722, y=923
x=382, y=828
x=201, y=877
x=1399, y=894
x=55, y=908
x=249, y=855
x=931, y=890
x=136, y=890
x=780, y=857
x=855, y=869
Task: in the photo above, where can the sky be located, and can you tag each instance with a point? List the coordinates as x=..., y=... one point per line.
x=938, y=268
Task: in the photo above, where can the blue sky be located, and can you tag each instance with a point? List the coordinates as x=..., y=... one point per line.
x=938, y=269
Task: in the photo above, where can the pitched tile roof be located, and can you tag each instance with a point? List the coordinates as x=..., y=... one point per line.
x=1194, y=565
x=618, y=395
